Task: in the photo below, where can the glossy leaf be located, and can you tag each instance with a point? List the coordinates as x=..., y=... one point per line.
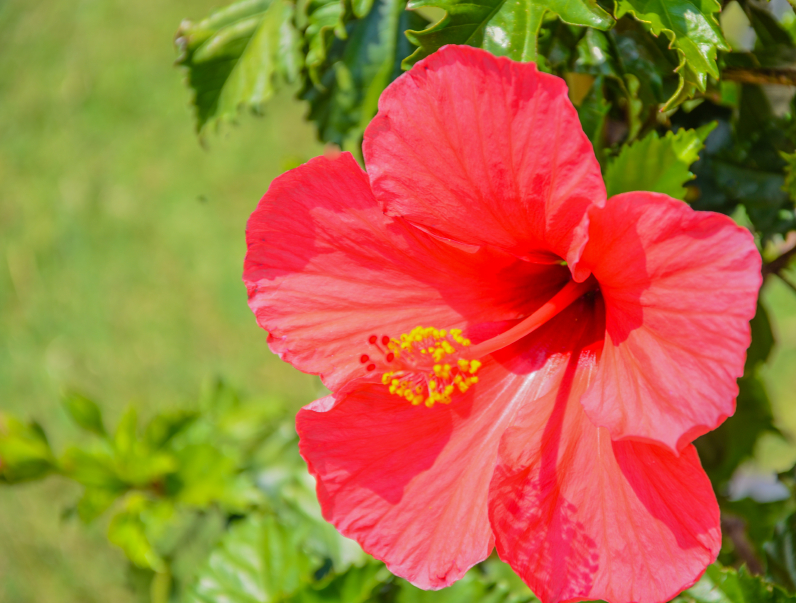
x=725, y=448
x=257, y=561
x=726, y=585
x=503, y=27
x=657, y=164
x=693, y=31
x=238, y=56
x=344, y=96
x=84, y=412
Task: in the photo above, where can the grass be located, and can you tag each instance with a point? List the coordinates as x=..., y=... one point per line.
x=121, y=246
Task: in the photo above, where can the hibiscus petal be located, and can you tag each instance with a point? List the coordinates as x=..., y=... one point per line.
x=325, y=270
x=579, y=516
x=680, y=288
x=482, y=149
x=410, y=483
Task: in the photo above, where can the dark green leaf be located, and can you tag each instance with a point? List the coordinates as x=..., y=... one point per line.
x=503, y=27
x=25, y=453
x=345, y=96
x=84, y=412
x=726, y=585
x=781, y=553
x=692, y=30
x=762, y=339
x=258, y=561
x=238, y=56
x=353, y=586
x=656, y=164
x=723, y=449
x=789, y=186
x=592, y=112
x=769, y=32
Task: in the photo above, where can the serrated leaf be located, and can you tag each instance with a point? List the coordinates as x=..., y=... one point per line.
x=345, y=95
x=257, y=561
x=657, y=164
x=727, y=585
x=693, y=31
x=237, y=57
x=503, y=27
x=84, y=412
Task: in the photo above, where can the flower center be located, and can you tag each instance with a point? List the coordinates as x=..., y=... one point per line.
x=432, y=365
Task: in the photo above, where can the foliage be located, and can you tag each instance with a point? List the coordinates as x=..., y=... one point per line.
x=669, y=107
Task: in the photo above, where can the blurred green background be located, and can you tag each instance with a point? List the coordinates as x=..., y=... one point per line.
x=122, y=241
x=121, y=250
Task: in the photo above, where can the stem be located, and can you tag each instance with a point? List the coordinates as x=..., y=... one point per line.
x=774, y=266
x=571, y=292
x=782, y=77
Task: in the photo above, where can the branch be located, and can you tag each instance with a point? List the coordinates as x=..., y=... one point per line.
x=783, y=77
x=735, y=528
x=774, y=266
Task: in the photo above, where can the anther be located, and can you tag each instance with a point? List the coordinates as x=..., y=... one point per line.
x=364, y=358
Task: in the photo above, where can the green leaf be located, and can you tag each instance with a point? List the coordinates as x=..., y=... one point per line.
x=789, y=186
x=725, y=448
x=593, y=111
x=205, y=475
x=345, y=93
x=692, y=30
x=258, y=561
x=25, y=453
x=726, y=585
x=126, y=530
x=94, y=502
x=84, y=412
x=94, y=468
x=503, y=27
x=657, y=164
x=781, y=553
x=353, y=586
x=762, y=339
x=238, y=56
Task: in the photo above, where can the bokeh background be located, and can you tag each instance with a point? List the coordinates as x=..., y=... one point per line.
x=121, y=247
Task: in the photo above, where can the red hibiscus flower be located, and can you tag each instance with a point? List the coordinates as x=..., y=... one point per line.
x=514, y=361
